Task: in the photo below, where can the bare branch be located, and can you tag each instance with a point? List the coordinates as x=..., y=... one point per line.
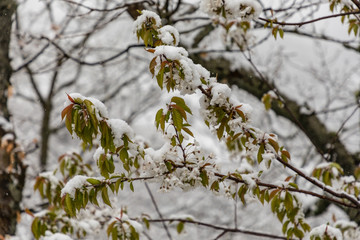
x=157, y=210
x=310, y=21
x=225, y=229
x=101, y=62
x=110, y=9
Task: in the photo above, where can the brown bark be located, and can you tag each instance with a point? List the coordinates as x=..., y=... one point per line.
x=12, y=170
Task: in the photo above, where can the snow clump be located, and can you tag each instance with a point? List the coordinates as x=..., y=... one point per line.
x=326, y=230
x=145, y=17
x=73, y=184
x=243, y=10
x=169, y=35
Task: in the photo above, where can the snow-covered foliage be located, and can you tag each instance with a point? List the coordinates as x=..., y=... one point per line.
x=245, y=10
x=169, y=35
x=325, y=232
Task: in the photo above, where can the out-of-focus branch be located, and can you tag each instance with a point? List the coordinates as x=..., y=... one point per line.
x=216, y=227
x=101, y=62
x=345, y=44
x=310, y=21
x=357, y=3
x=125, y=5
x=158, y=211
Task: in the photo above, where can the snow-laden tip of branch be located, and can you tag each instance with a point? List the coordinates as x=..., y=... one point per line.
x=192, y=73
x=326, y=230
x=220, y=94
x=100, y=109
x=119, y=128
x=74, y=183
x=169, y=35
x=49, y=175
x=145, y=17
x=244, y=10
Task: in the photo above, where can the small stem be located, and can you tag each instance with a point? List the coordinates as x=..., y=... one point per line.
x=157, y=210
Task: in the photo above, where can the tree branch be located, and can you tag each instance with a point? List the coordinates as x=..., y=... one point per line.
x=101, y=62
x=157, y=210
x=209, y=225
x=310, y=21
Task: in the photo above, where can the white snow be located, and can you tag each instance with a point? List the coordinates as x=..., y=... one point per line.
x=119, y=128
x=51, y=177
x=169, y=35
x=220, y=94
x=244, y=10
x=326, y=230
x=145, y=16
x=55, y=236
x=171, y=52
x=343, y=224
x=76, y=182
x=5, y=124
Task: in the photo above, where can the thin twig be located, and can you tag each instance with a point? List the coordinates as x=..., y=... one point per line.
x=158, y=211
x=220, y=235
x=91, y=63
x=310, y=21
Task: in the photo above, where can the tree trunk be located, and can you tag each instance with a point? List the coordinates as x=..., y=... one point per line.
x=12, y=170
x=45, y=135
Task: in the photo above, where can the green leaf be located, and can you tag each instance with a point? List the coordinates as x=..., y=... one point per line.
x=160, y=77
x=285, y=225
x=35, y=228
x=124, y=155
x=152, y=66
x=306, y=227
x=281, y=32
x=188, y=131
x=131, y=187
x=147, y=224
x=260, y=153
x=275, y=204
x=204, y=178
x=110, y=227
x=158, y=116
x=266, y=99
x=215, y=186
x=68, y=124
x=93, y=181
x=298, y=233
x=180, y=227
x=114, y=233
x=220, y=131
x=105, y=196
x=146, y=37
x=242, y=190
x=275, y=31
x=274, y=144
x=70, y=206
x=177, y=119
x=181, y=102
x=180, y=110
x=288, y=201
